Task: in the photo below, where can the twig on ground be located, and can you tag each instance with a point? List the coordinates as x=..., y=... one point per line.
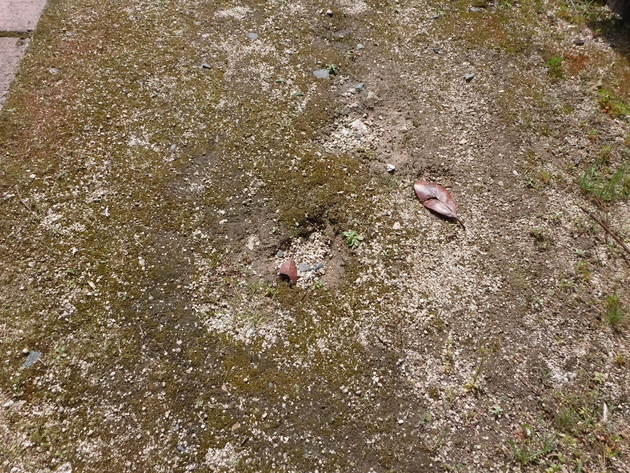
x=26, y=206
x=608, y=230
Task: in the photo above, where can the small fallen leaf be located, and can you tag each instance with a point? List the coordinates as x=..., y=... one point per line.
x=288, y=271
x=437, y=198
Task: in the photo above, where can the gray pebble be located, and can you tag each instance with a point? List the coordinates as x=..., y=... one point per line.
x=318, y=266
x=436, y=50
x=469, y=77
x=252, y=36
x=304, y=267
x=390, y=168
x=322, y=74
x=280, y=254
x=360, y=86
x=360, y=46
x=181, y=448
x=578, y=42
x=32, y=357
x=206, y=66
x=173, y=147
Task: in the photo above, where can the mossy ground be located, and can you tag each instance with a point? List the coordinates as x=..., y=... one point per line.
x=133, y=180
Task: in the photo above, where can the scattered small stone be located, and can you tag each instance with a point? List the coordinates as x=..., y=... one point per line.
x=360, y=46
x=396, y=226
x=252, y=36
x=205, y=65
x=181, y=448
x=329, y=12
x=578, y=42
x=53, y=70
x=360, y=86
x=318, y=266
x=390, y=168
x=32, y=357
x=577, y=161
x=322, y=74
x=8, y=403
x=173, y=147
x=359, y=126
x=469, y=77
x=64, y=468
x=280, y=254
x=437, y=51
x=303, y=267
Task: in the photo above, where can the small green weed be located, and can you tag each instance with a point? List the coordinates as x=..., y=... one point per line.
x=611, y=104
x=606, y=185
x=352, y=238
x=566, y=419
x=263, y=288
x=473, y=385
x=496, y=411
x=604, y=154
x=554, y=67
x=317, y=285
x=531, y=452
x=583, y=270
x=544, y=177
x=332, y=69
x=615, y=312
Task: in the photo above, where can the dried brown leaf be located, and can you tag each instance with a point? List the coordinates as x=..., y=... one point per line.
x=437, y=198
x=289, y=271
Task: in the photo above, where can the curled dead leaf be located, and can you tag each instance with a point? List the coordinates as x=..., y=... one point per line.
x=435, y=197
x=288, y=271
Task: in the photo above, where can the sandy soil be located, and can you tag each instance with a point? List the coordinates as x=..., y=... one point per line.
x=161, y=160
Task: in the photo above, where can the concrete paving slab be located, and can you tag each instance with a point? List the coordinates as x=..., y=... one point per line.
x=11, y=52
x=20, y=15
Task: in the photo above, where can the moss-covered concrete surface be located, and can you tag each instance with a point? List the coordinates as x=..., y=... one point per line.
x=159, y=160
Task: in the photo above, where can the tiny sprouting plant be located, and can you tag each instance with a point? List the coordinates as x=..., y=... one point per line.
x=332, y=69
x=496, y=410
x=554, y=67
x=611, y=104
x=317, y=285
x=352, y=238
x=615, y=311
